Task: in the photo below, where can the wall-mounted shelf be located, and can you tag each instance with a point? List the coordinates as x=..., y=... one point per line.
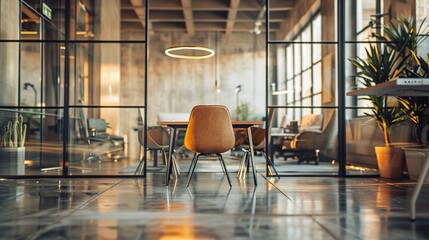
x=396, y=87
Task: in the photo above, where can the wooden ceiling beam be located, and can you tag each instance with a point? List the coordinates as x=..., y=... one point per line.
x=139, y=8
x=282, y=5
x=193, y=15
x=165, y=5
x=232, y=15
x=31, y=15
x=174, y=5
x=187, y=14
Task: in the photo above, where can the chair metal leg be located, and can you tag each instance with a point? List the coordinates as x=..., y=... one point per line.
x=192, y=163
x=176, y=167
x=173, y=162
x=271, y=165
x=241, y=165
x=244, y=165
x=221, y=165
x=252, y=161
x=139, y=167
x=224, y=166
x=193, y=169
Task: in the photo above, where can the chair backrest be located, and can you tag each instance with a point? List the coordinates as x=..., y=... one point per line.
x=100, y=126
x=269, y=122
x=157, y=137
x=258, y=134
x=209, y=130
x=311, y=121
x=82, y=122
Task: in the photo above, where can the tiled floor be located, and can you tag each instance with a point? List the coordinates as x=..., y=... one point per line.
x=289, y=208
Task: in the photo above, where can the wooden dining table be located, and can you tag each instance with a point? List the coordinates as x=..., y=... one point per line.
x=176, y=125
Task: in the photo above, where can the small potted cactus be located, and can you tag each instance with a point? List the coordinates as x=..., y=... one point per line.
x=12, y=150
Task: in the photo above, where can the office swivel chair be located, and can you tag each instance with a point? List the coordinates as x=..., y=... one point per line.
x=92, y=141
x=93, y=133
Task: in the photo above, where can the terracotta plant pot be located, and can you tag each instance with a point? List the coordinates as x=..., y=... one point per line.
x=390, y=161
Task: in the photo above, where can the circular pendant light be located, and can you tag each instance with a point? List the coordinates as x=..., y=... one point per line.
x=189, y=52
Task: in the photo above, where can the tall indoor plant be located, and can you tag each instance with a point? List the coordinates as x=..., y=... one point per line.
x=12, y=150
x=404, y=37
x=378, y=66
x=381, y=64
x=394, y=57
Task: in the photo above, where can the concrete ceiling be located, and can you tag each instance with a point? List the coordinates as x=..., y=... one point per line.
x=190, y=16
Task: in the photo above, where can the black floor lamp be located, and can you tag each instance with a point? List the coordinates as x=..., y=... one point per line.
x=237, y=91
x=26, y=85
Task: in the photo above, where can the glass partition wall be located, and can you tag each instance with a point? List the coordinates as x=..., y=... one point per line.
x=364, y=19
x=77, y=80
x=81, y=76
x=309, y=75
x=302, y=69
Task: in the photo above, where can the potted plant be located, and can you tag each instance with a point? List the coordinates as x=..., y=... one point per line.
x=405, y=38
x=379, y=65
x=243, y=112
x=12, y=150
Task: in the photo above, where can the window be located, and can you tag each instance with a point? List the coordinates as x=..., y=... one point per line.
x=304, y=70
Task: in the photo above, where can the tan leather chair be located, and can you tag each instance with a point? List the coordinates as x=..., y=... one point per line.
x=209, y=132
x=157, y=140
x=258, y=137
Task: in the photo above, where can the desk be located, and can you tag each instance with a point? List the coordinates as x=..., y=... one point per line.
x=395, y=87
x=174, y=126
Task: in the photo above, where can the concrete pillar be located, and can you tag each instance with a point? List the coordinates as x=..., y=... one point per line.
x=351, y=30
x=328, y=52
x=9, y=52
x=108, y=61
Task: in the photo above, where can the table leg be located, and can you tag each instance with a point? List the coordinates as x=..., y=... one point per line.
x=418, y=187
x=155, y=158
x=252, y=154
x=169, y=163
x=271, y=150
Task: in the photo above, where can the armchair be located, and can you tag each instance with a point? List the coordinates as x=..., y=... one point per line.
x=315, y=134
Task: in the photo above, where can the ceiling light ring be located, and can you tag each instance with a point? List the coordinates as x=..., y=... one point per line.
x=208, y=52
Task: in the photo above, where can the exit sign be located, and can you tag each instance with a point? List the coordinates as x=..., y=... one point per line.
x=47, y=11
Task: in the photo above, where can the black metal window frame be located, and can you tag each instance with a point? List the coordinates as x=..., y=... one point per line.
x=67, y=105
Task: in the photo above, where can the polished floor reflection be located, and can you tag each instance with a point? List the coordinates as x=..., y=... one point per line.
x=289, y=208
